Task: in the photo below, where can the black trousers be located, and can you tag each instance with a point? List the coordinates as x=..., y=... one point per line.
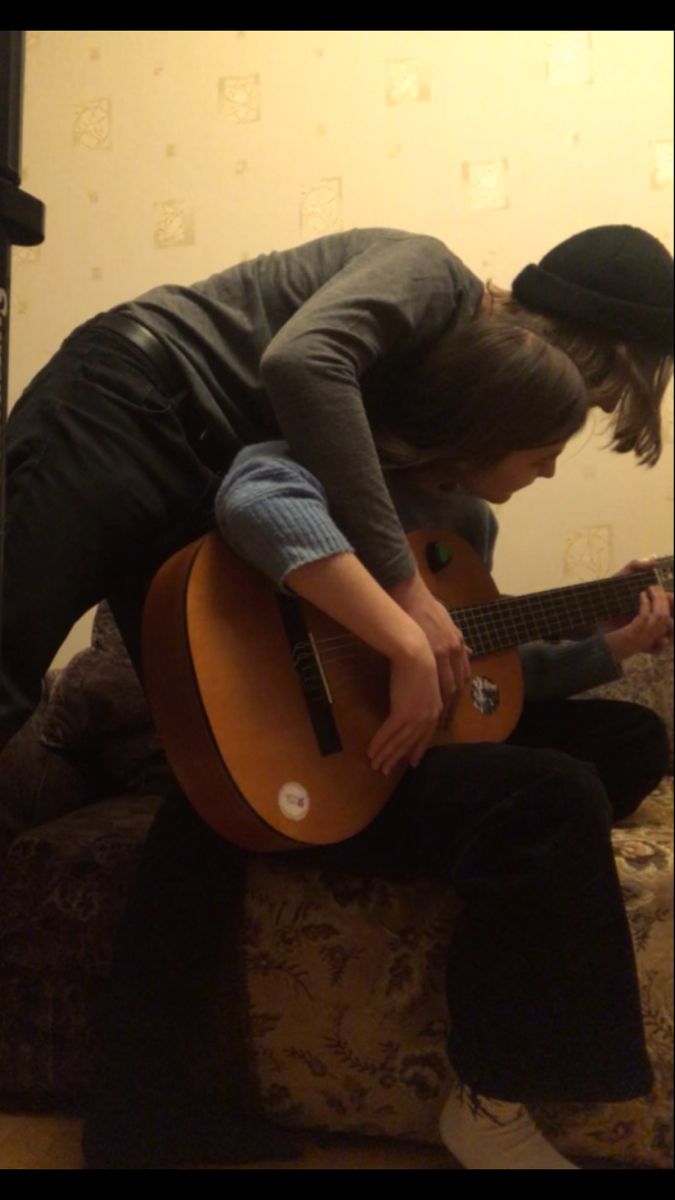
x=102, y=486
x=541, y=983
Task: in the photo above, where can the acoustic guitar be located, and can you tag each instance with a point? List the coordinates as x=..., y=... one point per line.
x=266, y=706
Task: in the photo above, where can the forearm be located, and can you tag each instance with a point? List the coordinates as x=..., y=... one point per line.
x=342, y=587
x=344, y=461
x=394, y=297
x=275, y=514
x=551, y=671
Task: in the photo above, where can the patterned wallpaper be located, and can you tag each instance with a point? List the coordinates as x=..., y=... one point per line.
x=165, y=155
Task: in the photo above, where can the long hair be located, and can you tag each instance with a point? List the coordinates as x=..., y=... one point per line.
x=634, y=375
x=476, y=394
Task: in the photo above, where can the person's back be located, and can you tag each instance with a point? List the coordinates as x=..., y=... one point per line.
x=347, y=285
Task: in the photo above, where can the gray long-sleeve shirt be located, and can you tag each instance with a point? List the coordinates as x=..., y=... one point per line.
x=277, y=347
x=275, y=514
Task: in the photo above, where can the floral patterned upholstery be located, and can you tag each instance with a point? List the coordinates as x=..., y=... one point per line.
x=344, y=976
x=347, y=1006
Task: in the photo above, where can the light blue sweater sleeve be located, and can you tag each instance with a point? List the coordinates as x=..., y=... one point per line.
x=274, y=513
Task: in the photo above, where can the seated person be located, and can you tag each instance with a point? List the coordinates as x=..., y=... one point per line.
x=541, y=982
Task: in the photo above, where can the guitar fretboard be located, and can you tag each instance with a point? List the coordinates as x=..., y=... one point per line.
x=561, y=612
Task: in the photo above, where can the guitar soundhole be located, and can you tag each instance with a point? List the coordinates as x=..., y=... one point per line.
x=484, y=695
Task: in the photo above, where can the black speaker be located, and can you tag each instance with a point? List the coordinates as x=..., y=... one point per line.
x=11, y=90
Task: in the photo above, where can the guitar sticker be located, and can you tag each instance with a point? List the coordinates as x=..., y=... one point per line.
x=294, y=801
x=484, y=695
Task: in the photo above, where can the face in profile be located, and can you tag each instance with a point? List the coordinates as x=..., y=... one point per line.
x=498, y=481
x=512, y=473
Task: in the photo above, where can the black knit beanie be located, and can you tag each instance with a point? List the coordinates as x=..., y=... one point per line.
x=616, y=278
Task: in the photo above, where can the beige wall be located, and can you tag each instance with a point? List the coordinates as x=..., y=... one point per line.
x=166, y=155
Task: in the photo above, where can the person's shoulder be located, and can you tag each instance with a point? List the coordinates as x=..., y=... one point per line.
x=396, y=238
x=332, y=251
x=413, y=256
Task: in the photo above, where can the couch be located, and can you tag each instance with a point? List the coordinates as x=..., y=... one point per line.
x=343, y=976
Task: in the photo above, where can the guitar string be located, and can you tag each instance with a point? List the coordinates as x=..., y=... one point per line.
x=512, y=617
x=540, y=600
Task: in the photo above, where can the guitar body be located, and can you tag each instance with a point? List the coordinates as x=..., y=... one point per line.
x=235, y=714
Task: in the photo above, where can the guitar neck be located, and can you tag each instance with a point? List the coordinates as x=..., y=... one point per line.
x=562, y=612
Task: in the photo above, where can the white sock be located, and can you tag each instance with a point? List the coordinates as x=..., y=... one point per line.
x=495, y=1135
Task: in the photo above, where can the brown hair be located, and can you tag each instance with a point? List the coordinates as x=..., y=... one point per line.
x=635, y=375
x=476, y=394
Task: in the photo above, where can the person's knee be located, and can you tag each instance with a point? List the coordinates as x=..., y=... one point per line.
x=551, y=827
x=576, y=791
